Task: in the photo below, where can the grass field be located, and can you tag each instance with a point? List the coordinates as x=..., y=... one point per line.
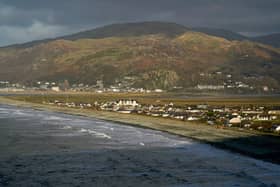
x=155, y=99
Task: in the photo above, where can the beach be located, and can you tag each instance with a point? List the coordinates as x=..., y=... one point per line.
x=251, y=143
x=50, y=148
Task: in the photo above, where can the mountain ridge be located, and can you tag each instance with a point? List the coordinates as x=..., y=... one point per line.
x=154, y=27
x=154, y=60
x=270, y=39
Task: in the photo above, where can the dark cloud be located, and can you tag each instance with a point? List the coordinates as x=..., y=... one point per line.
x=23, y=20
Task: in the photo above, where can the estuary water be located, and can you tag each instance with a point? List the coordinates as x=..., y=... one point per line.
x=44, y=148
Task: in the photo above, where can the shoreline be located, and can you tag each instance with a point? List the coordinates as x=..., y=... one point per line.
x=252, y=144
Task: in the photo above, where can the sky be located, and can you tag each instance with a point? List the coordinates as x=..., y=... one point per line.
x=27, y=20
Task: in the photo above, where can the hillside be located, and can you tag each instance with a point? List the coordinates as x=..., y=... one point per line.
x=131, y=29
x=229, y=35
x=117, y=30
x=154, y=27
x=272, y=39
x=153, y=60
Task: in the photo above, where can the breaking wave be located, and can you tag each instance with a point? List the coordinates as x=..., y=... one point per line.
x=95, y=133
x=66, y=127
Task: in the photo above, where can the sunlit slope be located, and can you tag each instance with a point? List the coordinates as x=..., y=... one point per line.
x=155, y=60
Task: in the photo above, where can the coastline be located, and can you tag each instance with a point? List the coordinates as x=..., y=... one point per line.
x=253, y=144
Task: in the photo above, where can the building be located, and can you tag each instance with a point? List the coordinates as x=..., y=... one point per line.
x=55, y=88
x=274, y=112
x=191, y=118
x=235, y=121
x=158, y=90
x=127, y=103
x=99, y=84
x=210, y=87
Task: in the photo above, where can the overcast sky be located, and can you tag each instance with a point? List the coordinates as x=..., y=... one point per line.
x=26, y=20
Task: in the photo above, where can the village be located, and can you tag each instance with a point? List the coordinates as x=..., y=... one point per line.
x=65, y=86
x=258, y=118
x=204, y=82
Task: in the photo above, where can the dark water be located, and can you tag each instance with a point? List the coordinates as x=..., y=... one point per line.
x=41, y=148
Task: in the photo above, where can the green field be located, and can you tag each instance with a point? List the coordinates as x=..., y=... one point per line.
x=155, y=99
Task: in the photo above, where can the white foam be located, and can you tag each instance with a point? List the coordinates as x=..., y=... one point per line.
x=142, y=144
x=83, y=130
x=66, y=127
x=95, y=133
x=21, y=113
x=55, y=118
x=98, y=134
x=109, y=128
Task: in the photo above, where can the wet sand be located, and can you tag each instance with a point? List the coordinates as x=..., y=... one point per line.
x=44, y=148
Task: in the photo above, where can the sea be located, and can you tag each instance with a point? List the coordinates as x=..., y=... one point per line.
x=45, y=148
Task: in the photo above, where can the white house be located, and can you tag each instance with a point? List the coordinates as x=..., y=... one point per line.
x=210, y=87
x=235, y=121
x=275, y=112
x=191, y=118
x=125, y=103
x=55, y=88
x=263, y=118
x=158, y=90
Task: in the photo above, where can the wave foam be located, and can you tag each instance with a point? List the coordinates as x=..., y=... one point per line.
x=95, y=133
x=66, y=127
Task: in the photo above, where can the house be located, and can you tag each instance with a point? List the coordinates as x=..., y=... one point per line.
x=210, y=122
x=158, y=90
x=44, y=87
x=155, y=114
x=247, y=125
x=99, y=84
x=235, y=114
x=124, y=111
x=210, y=87
x=179, y=117
x=274, y=112
x=265, y=88
x=235, y=121
x=165, y=115
x=126, y=103
x=251, y=112
x=218, y=110
x=55, y=88
x=202, y=106
x=263, y=118
x=191, y=118
x=116, y=90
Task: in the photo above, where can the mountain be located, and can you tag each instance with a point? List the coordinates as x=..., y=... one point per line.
x=154, y=27
x=272, y=39
x=131, y=29
x=157, y=56
x=229, y=35
x=117, y=30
